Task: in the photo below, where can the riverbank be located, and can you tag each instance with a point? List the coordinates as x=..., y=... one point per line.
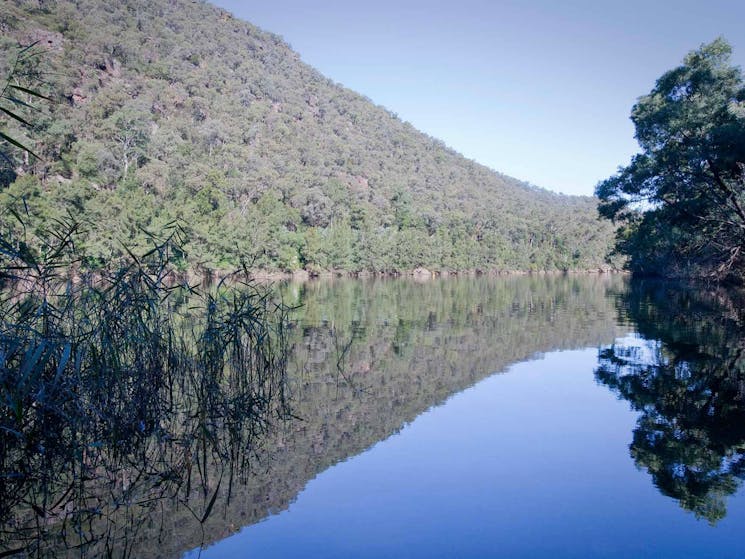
x=422, y=274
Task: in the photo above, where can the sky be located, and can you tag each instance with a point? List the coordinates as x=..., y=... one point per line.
x=540, y=90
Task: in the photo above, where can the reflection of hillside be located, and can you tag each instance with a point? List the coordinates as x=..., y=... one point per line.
x=370, y=357
x=414, y=346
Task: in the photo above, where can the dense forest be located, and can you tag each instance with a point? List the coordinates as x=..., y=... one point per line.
x=171, y=110
x=681, y=201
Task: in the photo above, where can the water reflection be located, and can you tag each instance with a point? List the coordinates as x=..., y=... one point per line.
x=368, y=357
x=685, y=374
x=371, y=356
x=120, y=395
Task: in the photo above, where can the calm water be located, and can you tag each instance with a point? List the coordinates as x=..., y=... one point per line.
x=518, y=417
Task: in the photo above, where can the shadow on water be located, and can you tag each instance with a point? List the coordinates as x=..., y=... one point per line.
x=685, y=374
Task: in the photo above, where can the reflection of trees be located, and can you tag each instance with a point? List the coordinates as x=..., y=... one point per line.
x=686, y=375
x=413, y=346
x=369, y=357
x=119, y=393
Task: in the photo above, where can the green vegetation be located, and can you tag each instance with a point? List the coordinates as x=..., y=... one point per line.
x=122, y=384
x=685, y=375
x=174, y=110
x=10, y=105
x=681, y=202
x=120, y=387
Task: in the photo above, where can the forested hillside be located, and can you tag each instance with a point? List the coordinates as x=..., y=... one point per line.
x=170, y=110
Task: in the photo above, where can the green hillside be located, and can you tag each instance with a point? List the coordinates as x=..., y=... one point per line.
x=173, y=109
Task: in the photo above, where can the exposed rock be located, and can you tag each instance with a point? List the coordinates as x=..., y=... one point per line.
x=46, y=39
x=78, y=97
x=422, y=273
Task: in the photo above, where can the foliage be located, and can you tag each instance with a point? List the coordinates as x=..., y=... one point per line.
x=367, y=357
x=175, y=110
x=18, y=72
x=124, y=379
x=682, y=200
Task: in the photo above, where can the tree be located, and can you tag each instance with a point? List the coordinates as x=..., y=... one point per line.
x=142, y=108
x=127, y=130
x=682, y=200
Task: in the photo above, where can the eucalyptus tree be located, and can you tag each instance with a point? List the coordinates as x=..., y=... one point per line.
x=176, y=110
x=682, y=199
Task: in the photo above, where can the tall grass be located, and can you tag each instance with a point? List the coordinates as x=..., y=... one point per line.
x=123, y=385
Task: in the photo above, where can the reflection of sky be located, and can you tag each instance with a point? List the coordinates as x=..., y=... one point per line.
x=538, y=89
x=532, y=463
x=637, y=350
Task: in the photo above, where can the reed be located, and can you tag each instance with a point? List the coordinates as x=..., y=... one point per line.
x=124, y=384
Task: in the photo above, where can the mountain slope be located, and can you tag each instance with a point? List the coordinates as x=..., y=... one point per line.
x=176, y=110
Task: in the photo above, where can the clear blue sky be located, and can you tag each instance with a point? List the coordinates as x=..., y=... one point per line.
x=540, y=90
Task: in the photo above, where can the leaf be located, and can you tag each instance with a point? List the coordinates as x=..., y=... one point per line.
x=28, y=47
x=30, y=92
x=30, y=359
x=212, y=502
x=15, y=116
x=38, y=510
x=63, y=362
x=18, y=145
x=19, y=102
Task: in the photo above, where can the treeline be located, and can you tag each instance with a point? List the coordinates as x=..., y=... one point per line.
x=177, y=111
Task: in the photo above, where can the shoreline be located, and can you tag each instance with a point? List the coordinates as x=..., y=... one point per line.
x=419, y=274
x=210, y=277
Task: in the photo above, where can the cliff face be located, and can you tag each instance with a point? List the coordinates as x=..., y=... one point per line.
x=176, y=110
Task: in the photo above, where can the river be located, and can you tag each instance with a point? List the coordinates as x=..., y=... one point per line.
x=518, y=416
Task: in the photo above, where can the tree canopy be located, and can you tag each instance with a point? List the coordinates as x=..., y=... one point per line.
x=174, y=110
x=681, y=201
